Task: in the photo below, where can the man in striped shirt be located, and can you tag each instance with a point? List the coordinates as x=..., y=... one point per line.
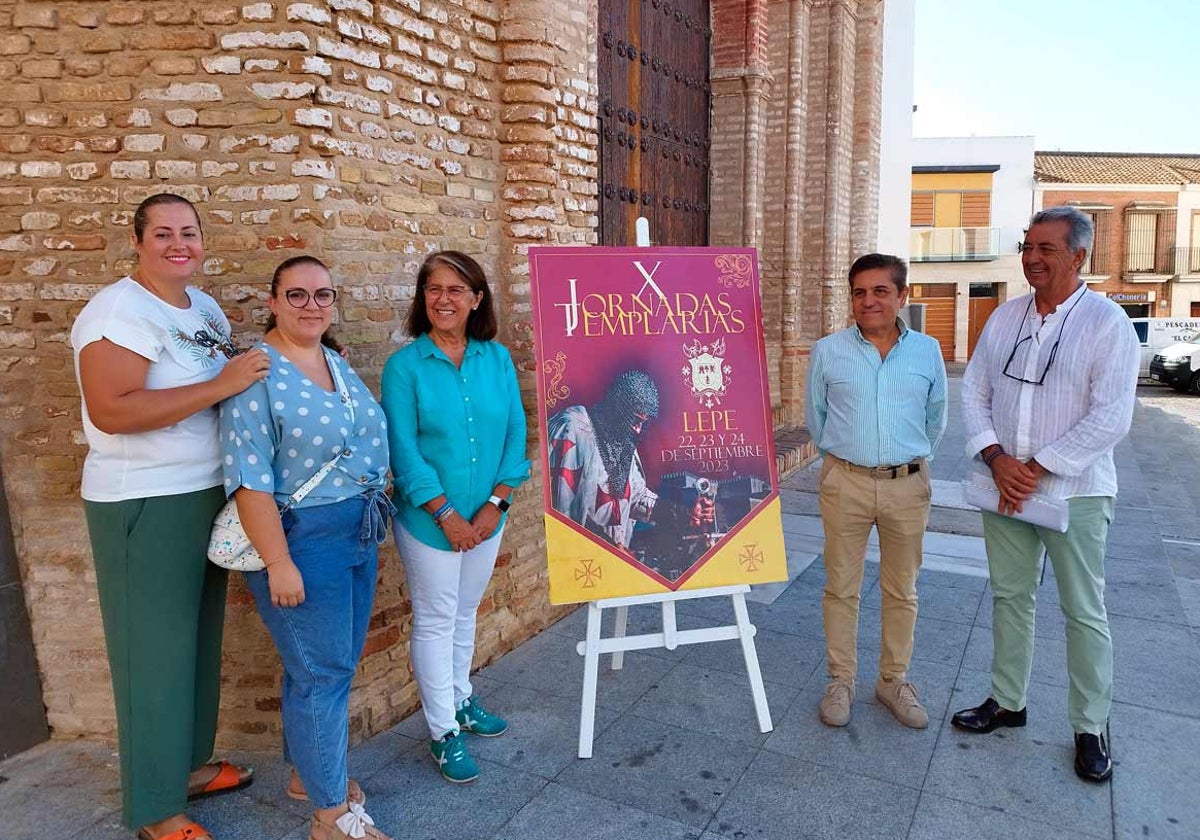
x=876, y=408
x=1047, y=395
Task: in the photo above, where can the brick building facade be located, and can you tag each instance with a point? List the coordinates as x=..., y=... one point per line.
x=371, y=132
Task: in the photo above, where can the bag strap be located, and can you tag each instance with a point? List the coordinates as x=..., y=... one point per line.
x=344, y=393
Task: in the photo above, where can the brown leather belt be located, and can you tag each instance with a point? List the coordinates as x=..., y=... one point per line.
x=897, y=471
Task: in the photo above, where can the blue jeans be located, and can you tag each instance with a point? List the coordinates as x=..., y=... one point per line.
x=321, y=640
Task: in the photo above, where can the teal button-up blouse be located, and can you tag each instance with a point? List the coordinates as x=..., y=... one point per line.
x=457, y=431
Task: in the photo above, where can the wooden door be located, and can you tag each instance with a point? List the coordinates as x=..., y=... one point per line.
x=939, y=313
x=981, y=308
x=653, y=60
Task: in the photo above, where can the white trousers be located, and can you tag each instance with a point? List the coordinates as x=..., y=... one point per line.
x=445, y=588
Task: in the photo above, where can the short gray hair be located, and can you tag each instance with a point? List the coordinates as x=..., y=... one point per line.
x=1081, y=233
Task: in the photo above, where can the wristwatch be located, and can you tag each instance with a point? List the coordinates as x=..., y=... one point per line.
x=501, y=504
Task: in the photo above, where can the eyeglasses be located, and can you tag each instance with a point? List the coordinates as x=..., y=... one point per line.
x=455, y=293
x=299, y=298
x=1021, y=341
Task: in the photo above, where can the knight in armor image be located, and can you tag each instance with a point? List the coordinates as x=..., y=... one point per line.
x=596, y=474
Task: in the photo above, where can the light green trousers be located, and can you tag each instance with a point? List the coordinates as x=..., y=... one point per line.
x=1013, y=551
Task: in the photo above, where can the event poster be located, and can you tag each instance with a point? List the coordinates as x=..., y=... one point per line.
x=657, y=453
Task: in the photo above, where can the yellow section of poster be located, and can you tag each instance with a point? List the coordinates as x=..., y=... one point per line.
x=582, y=570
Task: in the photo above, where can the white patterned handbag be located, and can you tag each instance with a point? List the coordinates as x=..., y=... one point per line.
x=228, y=546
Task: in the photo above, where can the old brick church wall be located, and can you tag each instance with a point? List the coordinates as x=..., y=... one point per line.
x=368, y=132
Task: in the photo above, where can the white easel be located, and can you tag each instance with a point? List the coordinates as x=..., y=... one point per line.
x=593, y=646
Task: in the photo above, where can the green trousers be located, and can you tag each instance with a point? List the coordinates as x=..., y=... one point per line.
x=1014, y=551
x=163, y=606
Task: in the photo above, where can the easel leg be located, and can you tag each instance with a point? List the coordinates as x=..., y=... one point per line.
x=591, y=667
x=746, y=634
x=620, y=622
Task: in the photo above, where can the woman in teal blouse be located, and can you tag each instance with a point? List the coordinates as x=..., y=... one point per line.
x=456, y=431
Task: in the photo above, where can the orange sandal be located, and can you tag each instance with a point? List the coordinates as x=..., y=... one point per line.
x=228, y=779
x=191, y=831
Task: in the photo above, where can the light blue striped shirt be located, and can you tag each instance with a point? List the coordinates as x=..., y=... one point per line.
x=871, y=411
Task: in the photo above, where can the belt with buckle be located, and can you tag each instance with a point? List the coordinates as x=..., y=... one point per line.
x=897, y=471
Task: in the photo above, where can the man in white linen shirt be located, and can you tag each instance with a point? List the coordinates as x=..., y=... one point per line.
x=1048, y=393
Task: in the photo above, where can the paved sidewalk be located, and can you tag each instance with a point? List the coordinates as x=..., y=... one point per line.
x=677, y=751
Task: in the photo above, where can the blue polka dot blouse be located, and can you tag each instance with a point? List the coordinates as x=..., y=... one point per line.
x=278, y=433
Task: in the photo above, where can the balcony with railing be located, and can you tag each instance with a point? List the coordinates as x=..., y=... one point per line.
x=954, y=244
x=1144, y=265
x=1187, y=264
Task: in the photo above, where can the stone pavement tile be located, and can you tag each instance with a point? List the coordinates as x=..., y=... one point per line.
x=1154, y=779
x=559, y=812
x=940, y=818
x=948, y=603
x=873, y=743
x=1049, y=657
x=574, y=624
x=410, y=800
x=1146, y=601
x=271, y=776
x=783, y=798
x=1184, y=558
x=1180, y=523
x=1155, y=665
x=1024, y=771
x=782, y=657
x=665, y=770
x=1189, y=595
x=34, y=802
x=241, y=816
x=543, y=733
x=797, y=612
x=377, y=752
x=934, y=640
x=561, y=673
x=951, y=580
x=1131, y=542
x=711, y=701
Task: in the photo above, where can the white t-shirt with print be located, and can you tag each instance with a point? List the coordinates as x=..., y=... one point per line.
x=184, y=346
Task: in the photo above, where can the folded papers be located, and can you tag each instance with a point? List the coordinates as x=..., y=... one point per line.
x=1045, y=511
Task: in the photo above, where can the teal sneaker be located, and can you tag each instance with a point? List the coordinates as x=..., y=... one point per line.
x=472, y=717
x=452, y=758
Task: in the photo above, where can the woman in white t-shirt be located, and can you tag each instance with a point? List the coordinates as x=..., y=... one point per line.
x=153, y=357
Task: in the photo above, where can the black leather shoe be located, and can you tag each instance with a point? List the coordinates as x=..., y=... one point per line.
x=987, y=717
x=1092, y=763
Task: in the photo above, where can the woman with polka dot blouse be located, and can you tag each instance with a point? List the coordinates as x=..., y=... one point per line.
x=457, y=433
x=316, y=592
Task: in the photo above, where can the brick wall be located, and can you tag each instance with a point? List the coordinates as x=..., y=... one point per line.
x=1111, y=249
x=807, y=84
x=369, y=132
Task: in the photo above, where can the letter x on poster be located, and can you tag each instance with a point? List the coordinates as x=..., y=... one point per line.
x=658, y=459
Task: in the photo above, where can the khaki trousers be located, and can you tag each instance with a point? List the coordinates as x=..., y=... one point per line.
x=851, y=503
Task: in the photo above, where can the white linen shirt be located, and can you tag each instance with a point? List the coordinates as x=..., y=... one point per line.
x=1072, y=421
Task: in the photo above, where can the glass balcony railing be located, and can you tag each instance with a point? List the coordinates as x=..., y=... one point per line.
x=954, y=244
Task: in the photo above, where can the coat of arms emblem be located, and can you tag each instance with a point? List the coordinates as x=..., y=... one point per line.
x=706, y=371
